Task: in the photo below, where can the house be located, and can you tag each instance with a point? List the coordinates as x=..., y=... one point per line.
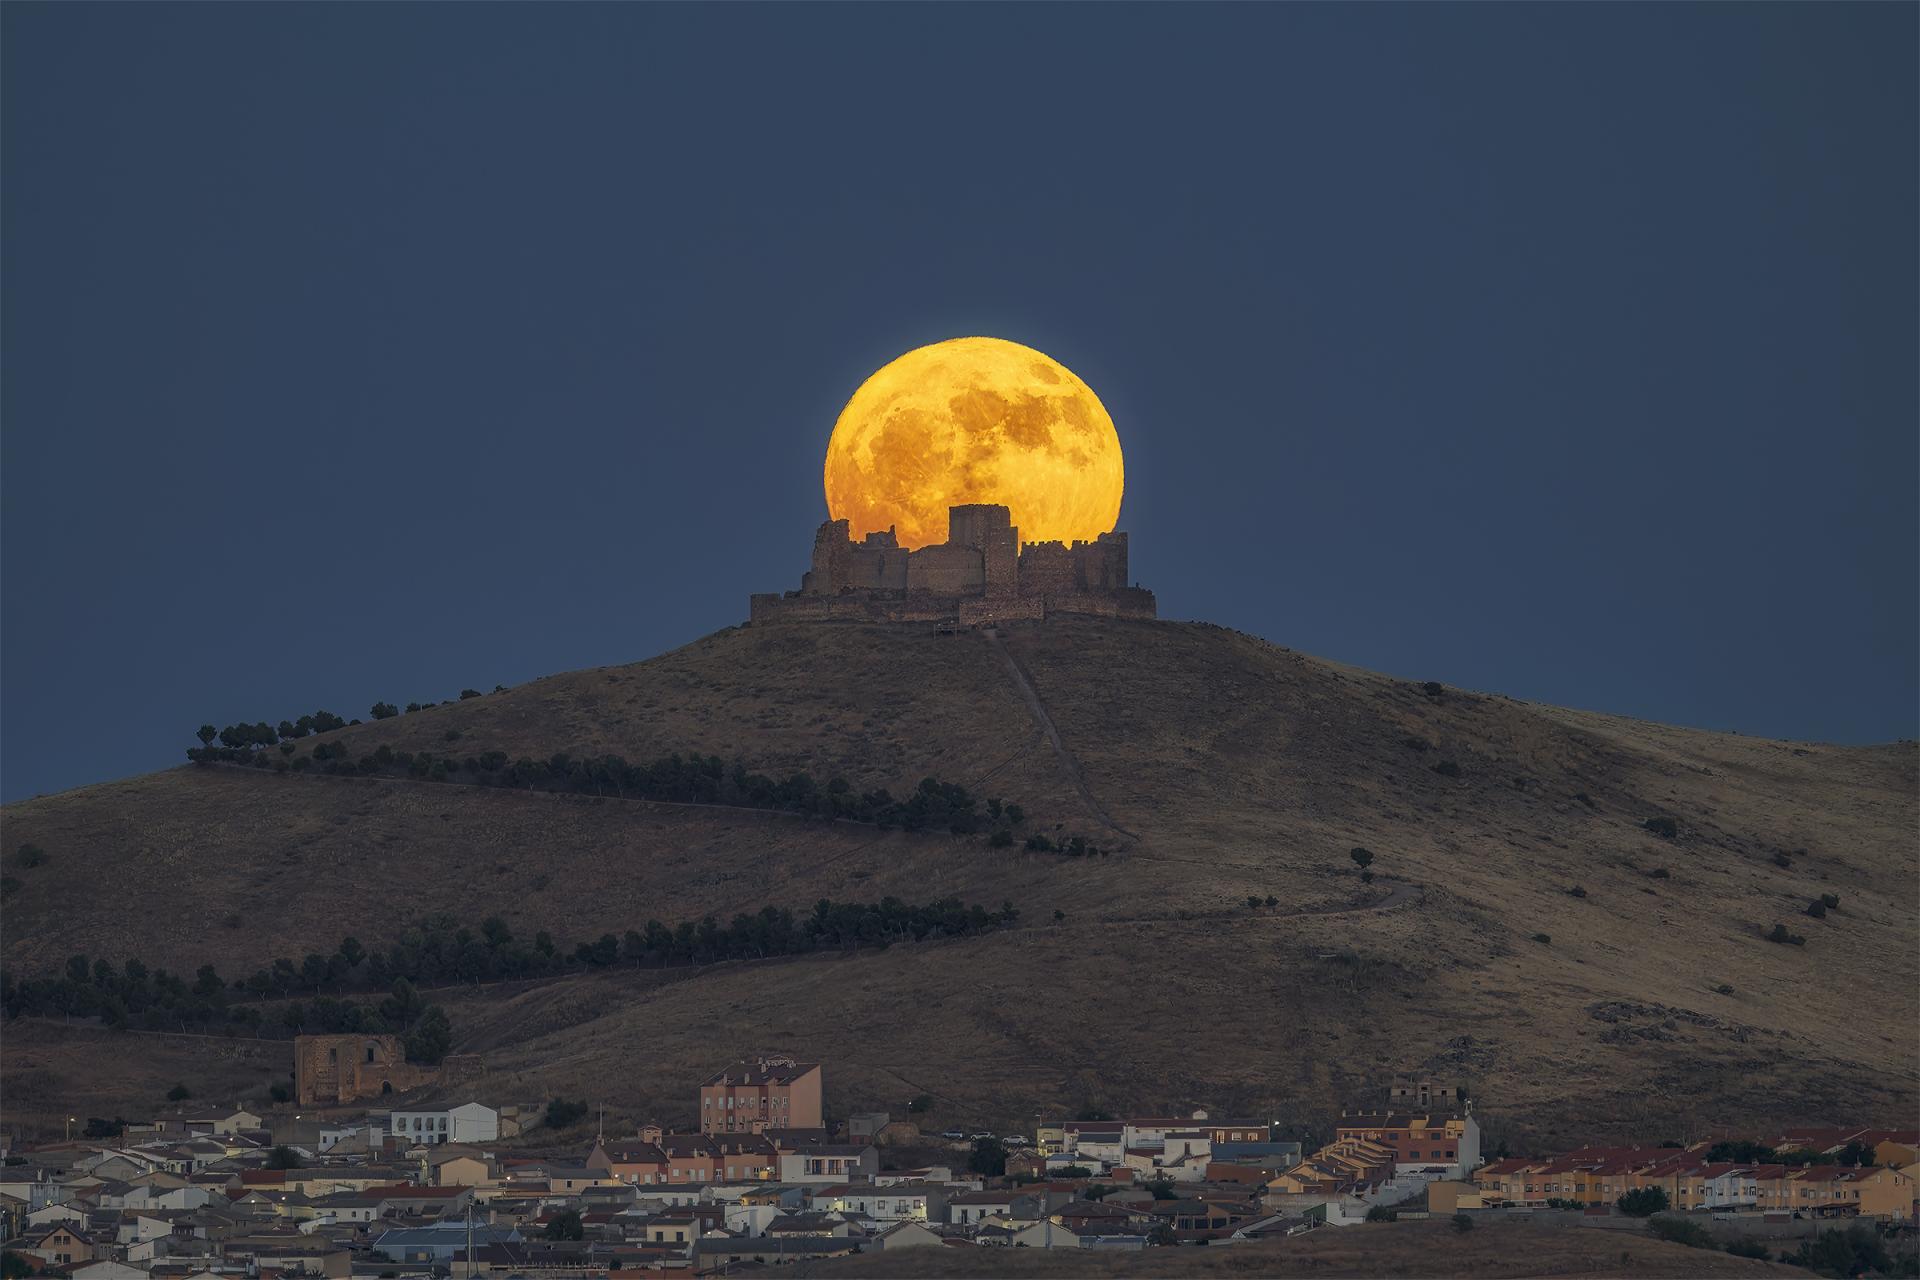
x=906, y=1235
x=222, y=1123
x=900, y=1201
x=436, y=1242
x=829, y=1163
x=58, y=1246
x=721, y=1254
x=459, y=1168
x=969, y=1208
x=766, y=1093
x=107, y=1271
x=1048, y=1234
x=469, y=1122
x=1419, y=1141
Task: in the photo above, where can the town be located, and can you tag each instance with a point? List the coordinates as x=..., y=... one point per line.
x=321, y=1184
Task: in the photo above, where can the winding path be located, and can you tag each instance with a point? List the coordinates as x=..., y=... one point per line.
x=1031, y=697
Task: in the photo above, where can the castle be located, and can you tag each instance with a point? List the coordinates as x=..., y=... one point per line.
x=979, y=575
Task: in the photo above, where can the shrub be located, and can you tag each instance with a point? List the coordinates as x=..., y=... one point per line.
x=561, y=1113
x=1433, y=688
x=920, y=1105
x=384, y=711
x=1665, y=828
x=1781, y=935
x=1000, y=839
x=1584, y=799
x=179, y=1093
x=1447, y=769
x=1660, y=873
x=988, y=1158
x=1418, y=744
x=1037, y=843
x=1747, y=1249
x=1682, y=1231
x=1831, y=901
x=1366, y=877
x=1725, y=988
x=1643, y=1202
x=30, y=855
x=1577, y=892
x=1361, y=858
x=469, y=693
x=1462, y=1223
x=1817, y=909
x=1544, y=939
x=1380, y=1213
x=1780, y=859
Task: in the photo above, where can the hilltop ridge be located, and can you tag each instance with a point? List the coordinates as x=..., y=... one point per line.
x=1217, y=766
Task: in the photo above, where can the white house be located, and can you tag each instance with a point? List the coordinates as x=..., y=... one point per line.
x=901, y=1202
x=829, y=1164
x=469, y=1122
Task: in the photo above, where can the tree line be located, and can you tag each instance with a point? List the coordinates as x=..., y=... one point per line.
x=441, y=950
x=684, y=779
x=136, y=996
x=236, y=737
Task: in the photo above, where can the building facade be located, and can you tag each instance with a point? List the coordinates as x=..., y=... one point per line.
x=766, y=1093
x=980, y=575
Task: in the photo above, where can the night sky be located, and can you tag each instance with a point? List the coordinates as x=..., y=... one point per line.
x=360, y=352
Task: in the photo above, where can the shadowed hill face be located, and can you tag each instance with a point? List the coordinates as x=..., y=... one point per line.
x=1240, y=769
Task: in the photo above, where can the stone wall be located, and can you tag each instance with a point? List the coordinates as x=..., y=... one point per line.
x=981, y=574
x=334, y=1069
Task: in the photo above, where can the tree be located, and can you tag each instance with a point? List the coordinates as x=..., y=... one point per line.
x=1854, y=1251
x=1462, y=1223
x=1058, y=915
x=1361, y=857
x=431, y=1037
x=1380, y=1213
x=1253, y=901
x=352, y=952
x=283, y=1157
x=1161, y=1234
x=385, y=711
x=206, y=733
x=562, y=1114
x=1642, y=1202
x=14, y=1265
x=179, y=1093
x=565, y=1226
x=469, y=693
x=989, y=1158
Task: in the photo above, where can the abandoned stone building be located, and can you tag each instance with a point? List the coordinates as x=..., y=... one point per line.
x=981, y=574
x=341, y=1068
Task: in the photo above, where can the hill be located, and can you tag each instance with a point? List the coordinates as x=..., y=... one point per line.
x=1492, y=1250
x=1212, y=766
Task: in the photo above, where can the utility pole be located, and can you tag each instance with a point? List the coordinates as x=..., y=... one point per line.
x=469, y=1233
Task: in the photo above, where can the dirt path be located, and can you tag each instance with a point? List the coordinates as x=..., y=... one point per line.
x=1031, y=697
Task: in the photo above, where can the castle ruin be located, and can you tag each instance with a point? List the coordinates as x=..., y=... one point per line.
x=980, y=575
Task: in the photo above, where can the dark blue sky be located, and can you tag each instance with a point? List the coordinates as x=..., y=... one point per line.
x=369, y=351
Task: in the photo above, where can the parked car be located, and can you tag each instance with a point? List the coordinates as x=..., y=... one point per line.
x=955, y=1135
x=1017, y=1140
x=982, y=1136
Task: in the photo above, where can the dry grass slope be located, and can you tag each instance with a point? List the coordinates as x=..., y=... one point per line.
x=1244, y=768
x=1491, y=1251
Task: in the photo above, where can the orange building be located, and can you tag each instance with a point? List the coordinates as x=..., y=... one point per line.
x=767, y=1093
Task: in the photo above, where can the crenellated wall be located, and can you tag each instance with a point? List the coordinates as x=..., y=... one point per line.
x=980, y=574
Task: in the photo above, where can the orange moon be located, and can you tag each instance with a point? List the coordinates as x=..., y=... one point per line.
x=974, y=420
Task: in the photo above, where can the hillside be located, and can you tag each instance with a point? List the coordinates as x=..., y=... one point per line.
x=1491, y=1250
x=1214, y=765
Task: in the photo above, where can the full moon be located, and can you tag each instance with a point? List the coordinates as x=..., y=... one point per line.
x=974, y=420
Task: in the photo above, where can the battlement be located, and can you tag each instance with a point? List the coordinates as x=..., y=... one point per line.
x=979, y=575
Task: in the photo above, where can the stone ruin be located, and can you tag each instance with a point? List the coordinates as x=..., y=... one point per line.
x=980, y=575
